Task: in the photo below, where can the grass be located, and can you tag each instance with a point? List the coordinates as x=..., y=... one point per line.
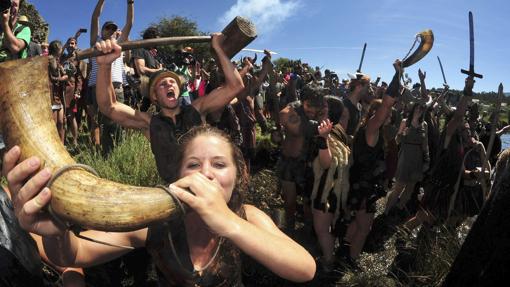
x=131, y=161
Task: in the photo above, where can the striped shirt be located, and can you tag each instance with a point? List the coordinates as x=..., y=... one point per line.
x=117, y=69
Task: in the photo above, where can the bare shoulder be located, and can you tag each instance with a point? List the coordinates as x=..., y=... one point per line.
x=260, y=219
x=289, y=116
x=285, y=111
x=257, y=216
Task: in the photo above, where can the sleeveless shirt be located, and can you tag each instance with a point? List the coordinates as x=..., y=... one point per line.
x=177, y=269
x=164, y=134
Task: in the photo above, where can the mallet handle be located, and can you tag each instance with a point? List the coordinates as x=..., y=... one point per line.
x=130, y=45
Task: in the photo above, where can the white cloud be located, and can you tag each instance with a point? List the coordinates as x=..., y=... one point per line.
x=265, y=14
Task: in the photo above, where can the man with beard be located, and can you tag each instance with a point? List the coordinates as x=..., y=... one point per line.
x=173, y=120
x=359, y=91
x=299, y=122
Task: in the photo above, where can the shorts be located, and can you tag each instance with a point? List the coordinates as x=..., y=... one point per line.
x=364, y=195
x=56, y=107
x=292, y=170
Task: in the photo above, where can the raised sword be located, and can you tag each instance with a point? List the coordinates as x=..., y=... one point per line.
x=471, y=71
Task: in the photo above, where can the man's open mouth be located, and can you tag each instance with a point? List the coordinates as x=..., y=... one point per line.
x=170, y=94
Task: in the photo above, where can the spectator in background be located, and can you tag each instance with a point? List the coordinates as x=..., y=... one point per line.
x=73, y=86
x=34, y=48
x=146, y=64
x=58, y=79
x=44, y=49
x=110, y=131
x=15, y=37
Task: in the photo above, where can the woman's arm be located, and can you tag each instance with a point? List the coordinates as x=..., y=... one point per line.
x=282, y=255
x=30, y=198
x=324, y=151
x=401, y=131
x=257, y=236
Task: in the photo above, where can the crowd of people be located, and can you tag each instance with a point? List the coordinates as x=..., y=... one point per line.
x=344, y=146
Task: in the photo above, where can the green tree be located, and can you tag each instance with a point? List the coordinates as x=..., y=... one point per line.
x=38, y=25
x=180, y=26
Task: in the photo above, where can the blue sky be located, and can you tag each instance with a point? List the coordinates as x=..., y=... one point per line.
x=331, y=34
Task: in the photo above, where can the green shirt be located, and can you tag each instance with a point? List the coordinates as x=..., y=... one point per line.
x=21, y=32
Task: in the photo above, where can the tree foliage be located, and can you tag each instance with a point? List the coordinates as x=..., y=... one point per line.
x=180, y=26
x=38, y=25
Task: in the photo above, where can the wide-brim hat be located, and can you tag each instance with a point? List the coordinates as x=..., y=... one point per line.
x=23, y=20
x=156, y=77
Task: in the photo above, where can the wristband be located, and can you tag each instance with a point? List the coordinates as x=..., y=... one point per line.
x=130, y=1
x=394, y=87
x=322, y=143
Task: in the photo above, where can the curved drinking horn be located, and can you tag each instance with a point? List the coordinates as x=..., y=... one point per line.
x=426, y=42
x=78, y=197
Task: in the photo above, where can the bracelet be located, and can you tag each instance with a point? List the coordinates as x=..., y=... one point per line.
x=322, y=143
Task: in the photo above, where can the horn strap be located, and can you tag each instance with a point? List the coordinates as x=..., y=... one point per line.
x=56, y=175
x=175, y=198
x=412, y=47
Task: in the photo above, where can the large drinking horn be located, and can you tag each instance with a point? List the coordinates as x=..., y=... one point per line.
x=239, y=32
x=426, y=39
x=78, y=196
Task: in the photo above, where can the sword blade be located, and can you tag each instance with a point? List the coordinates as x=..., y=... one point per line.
x=258, y=51
x=362, y=57
x=471, y=43
x=442, y=71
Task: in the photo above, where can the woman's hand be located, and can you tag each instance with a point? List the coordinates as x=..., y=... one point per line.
x=207, y=199
x=29, y=194
x=325, y=128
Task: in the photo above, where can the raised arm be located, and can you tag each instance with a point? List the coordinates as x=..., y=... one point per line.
x=374, y=123
x=458, y=116
x=423, y=88
x=247, y=66
x=94, y=22
x=267, y=66
x=225, y=93
x=106, y=100
x=130, y=18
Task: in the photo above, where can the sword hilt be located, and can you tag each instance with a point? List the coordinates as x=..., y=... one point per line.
x=471, y=73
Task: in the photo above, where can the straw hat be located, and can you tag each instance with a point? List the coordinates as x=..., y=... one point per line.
x=23, y=20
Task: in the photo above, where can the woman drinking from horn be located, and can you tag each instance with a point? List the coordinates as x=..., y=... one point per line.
x=205, y=249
